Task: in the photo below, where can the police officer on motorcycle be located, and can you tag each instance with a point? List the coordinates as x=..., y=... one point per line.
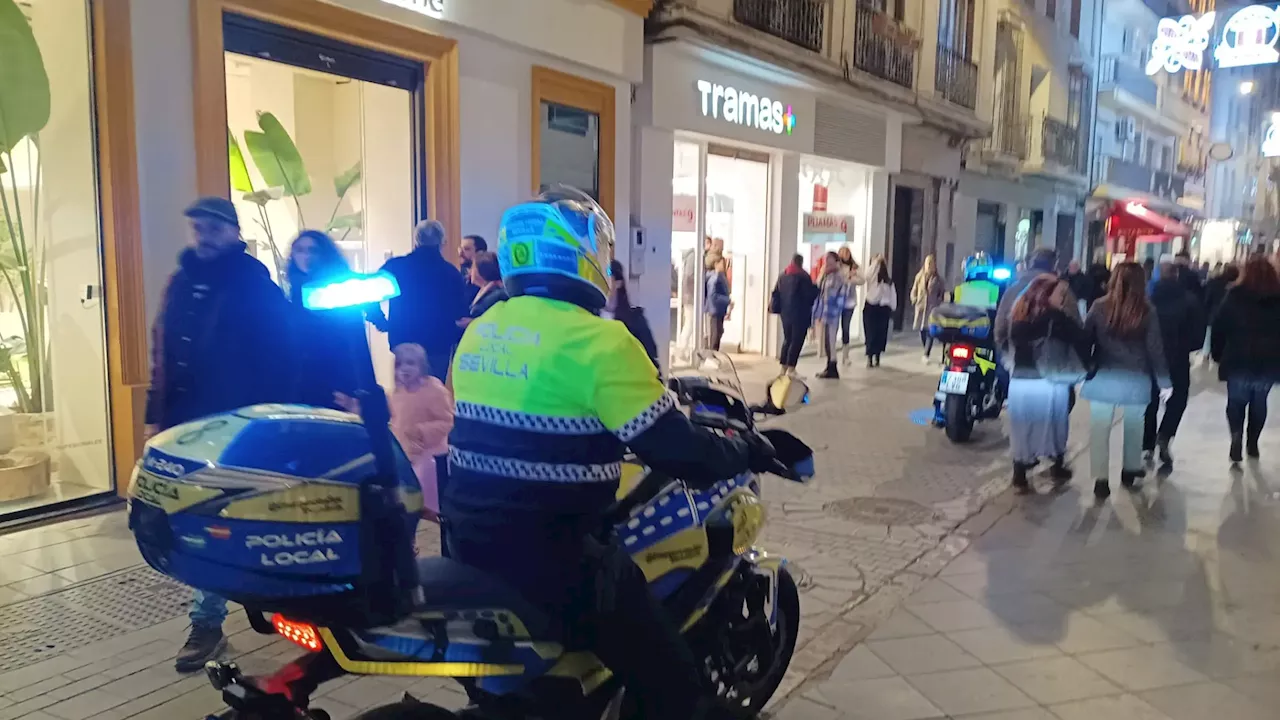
x=548, y=397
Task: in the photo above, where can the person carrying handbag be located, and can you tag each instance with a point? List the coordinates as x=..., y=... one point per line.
x=1050, y=352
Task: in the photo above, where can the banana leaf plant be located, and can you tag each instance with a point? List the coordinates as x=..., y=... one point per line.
x=24, y=112
x=284, y=175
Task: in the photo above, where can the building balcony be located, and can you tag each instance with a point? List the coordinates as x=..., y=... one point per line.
x=799, y=22
x=956, y=78
x=1118, y=73
x=883, y=47
x=1060, y=144
x=1126, y=174
x=1010, y=138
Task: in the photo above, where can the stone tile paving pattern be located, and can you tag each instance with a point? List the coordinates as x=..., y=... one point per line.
x=1161, y=605
x=883, y=516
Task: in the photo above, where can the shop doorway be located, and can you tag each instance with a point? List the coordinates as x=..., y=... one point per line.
x=323, y=136
x=720, y=227
x=1065, y=240
x=989, y=233
x=908, y=238
x=737, y=203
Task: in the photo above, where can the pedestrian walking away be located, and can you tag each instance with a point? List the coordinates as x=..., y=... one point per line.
x=792, y=301
x=1081, y=285
x=853, y=276
x=1182, y=329
x=221, y=341
x=833, y=294
x=1041, y=332
x=433, y=298
x=927, y=293
x=877, y=311
x=1128, y=358
x=1245, y=342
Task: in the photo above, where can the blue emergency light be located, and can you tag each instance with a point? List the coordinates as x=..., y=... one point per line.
x=350, y=290
x=1001, y=273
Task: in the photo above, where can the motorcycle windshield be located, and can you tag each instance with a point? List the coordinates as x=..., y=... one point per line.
x=718, y=369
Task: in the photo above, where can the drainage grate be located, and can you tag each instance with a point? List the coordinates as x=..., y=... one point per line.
x=882, y=511
x=132, y=600
x=53, y=624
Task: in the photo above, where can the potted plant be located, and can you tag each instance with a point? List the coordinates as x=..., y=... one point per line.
x=24, y=359
x=280, y=165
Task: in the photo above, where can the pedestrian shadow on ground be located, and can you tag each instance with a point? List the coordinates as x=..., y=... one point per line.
x=1115, y=559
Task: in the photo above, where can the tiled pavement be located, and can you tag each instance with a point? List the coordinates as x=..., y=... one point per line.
x=883, y=515
x=1162, y=605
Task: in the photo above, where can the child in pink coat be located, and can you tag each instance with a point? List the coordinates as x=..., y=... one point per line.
x=421, y=418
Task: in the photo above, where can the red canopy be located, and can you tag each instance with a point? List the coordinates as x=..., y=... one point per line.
x=1131, y=219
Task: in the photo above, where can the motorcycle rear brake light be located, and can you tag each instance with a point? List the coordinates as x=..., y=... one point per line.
x=960, y=352
x=304, y=635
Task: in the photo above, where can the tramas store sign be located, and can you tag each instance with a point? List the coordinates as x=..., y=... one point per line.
x=1246, y=37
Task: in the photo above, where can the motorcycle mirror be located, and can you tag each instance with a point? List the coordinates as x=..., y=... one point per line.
x=791, y=452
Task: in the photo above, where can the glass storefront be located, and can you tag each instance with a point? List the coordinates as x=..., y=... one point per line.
x=721, y=195
x=313, y=149
x=54, y=438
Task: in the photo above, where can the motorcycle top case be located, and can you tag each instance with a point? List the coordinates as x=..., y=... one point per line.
x=270, y=505
x=952, y=323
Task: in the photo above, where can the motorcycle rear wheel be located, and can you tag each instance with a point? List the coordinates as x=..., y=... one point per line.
x=959, y=418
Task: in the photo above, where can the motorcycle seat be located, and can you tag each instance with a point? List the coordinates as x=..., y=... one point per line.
x=452, y=586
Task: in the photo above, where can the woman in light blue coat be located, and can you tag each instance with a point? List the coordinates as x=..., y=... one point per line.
x=1128, y=357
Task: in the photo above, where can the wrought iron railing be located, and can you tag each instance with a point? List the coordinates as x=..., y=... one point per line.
x=956, y=78
x=883, y=47
x=1010, y=133
x=800, y=22
x=1060, y=142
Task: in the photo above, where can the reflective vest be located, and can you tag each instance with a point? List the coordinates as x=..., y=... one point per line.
x=547, y=394
x=982, y=294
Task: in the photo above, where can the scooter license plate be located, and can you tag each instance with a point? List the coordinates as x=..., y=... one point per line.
x=954, y=383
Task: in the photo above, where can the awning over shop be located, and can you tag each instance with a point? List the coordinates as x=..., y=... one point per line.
x=1131, y=219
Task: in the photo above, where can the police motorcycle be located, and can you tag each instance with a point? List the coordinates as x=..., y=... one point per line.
x=972, y=387
x=307, y=516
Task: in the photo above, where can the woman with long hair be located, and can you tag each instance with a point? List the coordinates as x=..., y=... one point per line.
x=1039, y=408
x=927, y=292
x=324, y=365
x=853, y=278
x=1245, y=342
x=877, y=310
x=1128, y=357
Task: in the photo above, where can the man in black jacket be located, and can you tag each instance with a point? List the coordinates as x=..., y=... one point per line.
x=432, y=299
x=220, y=342
x=792, y=301
x=1182, y=327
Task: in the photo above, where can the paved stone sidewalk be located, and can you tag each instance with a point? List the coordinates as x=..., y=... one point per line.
x=1160, y=605
x=86, y=631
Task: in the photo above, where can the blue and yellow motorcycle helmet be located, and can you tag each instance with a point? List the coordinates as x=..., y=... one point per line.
x=559, y=246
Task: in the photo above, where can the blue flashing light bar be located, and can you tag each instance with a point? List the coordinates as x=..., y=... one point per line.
x=350, y=291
